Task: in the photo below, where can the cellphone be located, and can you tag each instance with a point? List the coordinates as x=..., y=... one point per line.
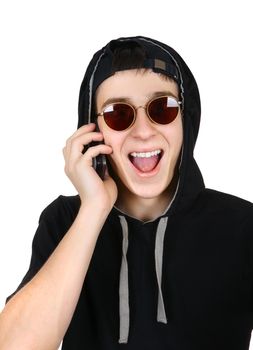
x=99, y=163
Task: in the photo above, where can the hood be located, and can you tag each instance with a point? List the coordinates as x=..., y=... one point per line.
x=190, y=178
x=190, y=181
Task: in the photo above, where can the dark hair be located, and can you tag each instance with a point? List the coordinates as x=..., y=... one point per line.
x=130, y=55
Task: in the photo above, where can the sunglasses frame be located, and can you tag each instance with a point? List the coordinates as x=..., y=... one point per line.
x=146, y=107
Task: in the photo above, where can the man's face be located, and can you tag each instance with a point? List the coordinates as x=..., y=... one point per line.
x=143, y=136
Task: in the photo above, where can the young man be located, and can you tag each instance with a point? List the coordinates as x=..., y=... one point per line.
x=144, y=257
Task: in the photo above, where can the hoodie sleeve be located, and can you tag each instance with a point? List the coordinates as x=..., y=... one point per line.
x=54, y=222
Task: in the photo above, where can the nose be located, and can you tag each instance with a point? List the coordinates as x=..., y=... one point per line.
x=143, y=127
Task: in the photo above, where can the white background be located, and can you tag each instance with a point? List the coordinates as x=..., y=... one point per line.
x=45, y=48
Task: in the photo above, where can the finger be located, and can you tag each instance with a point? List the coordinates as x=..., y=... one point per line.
x=75, y=154
x=96, y=150
x=75, y=146
x=84, y=139
x=83, y=129
x=86, y=159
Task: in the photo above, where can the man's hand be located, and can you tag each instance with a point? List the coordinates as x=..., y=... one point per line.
x=78, y=168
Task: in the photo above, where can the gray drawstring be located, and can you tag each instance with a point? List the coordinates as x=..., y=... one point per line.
x=123, y=286
x=161, y=316
x=124, y=313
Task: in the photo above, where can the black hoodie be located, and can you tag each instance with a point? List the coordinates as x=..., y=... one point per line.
x=183, y=281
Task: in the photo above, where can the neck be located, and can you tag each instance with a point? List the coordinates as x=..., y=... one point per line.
x=146, y=209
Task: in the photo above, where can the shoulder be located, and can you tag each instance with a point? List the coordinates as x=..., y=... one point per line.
x=56, y=218
x=226, y=205
x=62, y=206
x=226, y=198
x=54, y=221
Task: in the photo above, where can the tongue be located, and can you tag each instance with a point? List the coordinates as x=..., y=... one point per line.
x=145, y=164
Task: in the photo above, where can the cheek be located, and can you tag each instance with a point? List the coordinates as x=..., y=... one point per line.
x=174, y=135
x=111, y=140
x=104, y=130
x=179, y=138
x=116, y=141
x=101, y=123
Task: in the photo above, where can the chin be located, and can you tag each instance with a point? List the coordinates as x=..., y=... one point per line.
x=148, y=190
x=145, y=188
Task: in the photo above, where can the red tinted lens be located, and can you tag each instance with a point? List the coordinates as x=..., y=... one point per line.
x=163, y=110
x=119, y=116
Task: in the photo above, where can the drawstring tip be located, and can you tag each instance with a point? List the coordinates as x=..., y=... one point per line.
x=122, y=341
x=162, y=320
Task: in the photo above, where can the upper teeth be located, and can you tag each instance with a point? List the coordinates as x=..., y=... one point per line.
x=145, y=154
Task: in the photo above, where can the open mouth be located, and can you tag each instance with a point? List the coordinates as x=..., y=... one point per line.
x=146, y=161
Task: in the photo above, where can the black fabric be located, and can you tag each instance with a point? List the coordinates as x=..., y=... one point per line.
x=207, y=276
x=105, y=68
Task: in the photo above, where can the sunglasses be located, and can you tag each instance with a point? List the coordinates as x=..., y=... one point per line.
x=160, y=110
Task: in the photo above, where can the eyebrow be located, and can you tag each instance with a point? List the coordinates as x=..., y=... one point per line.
x=128, y=99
